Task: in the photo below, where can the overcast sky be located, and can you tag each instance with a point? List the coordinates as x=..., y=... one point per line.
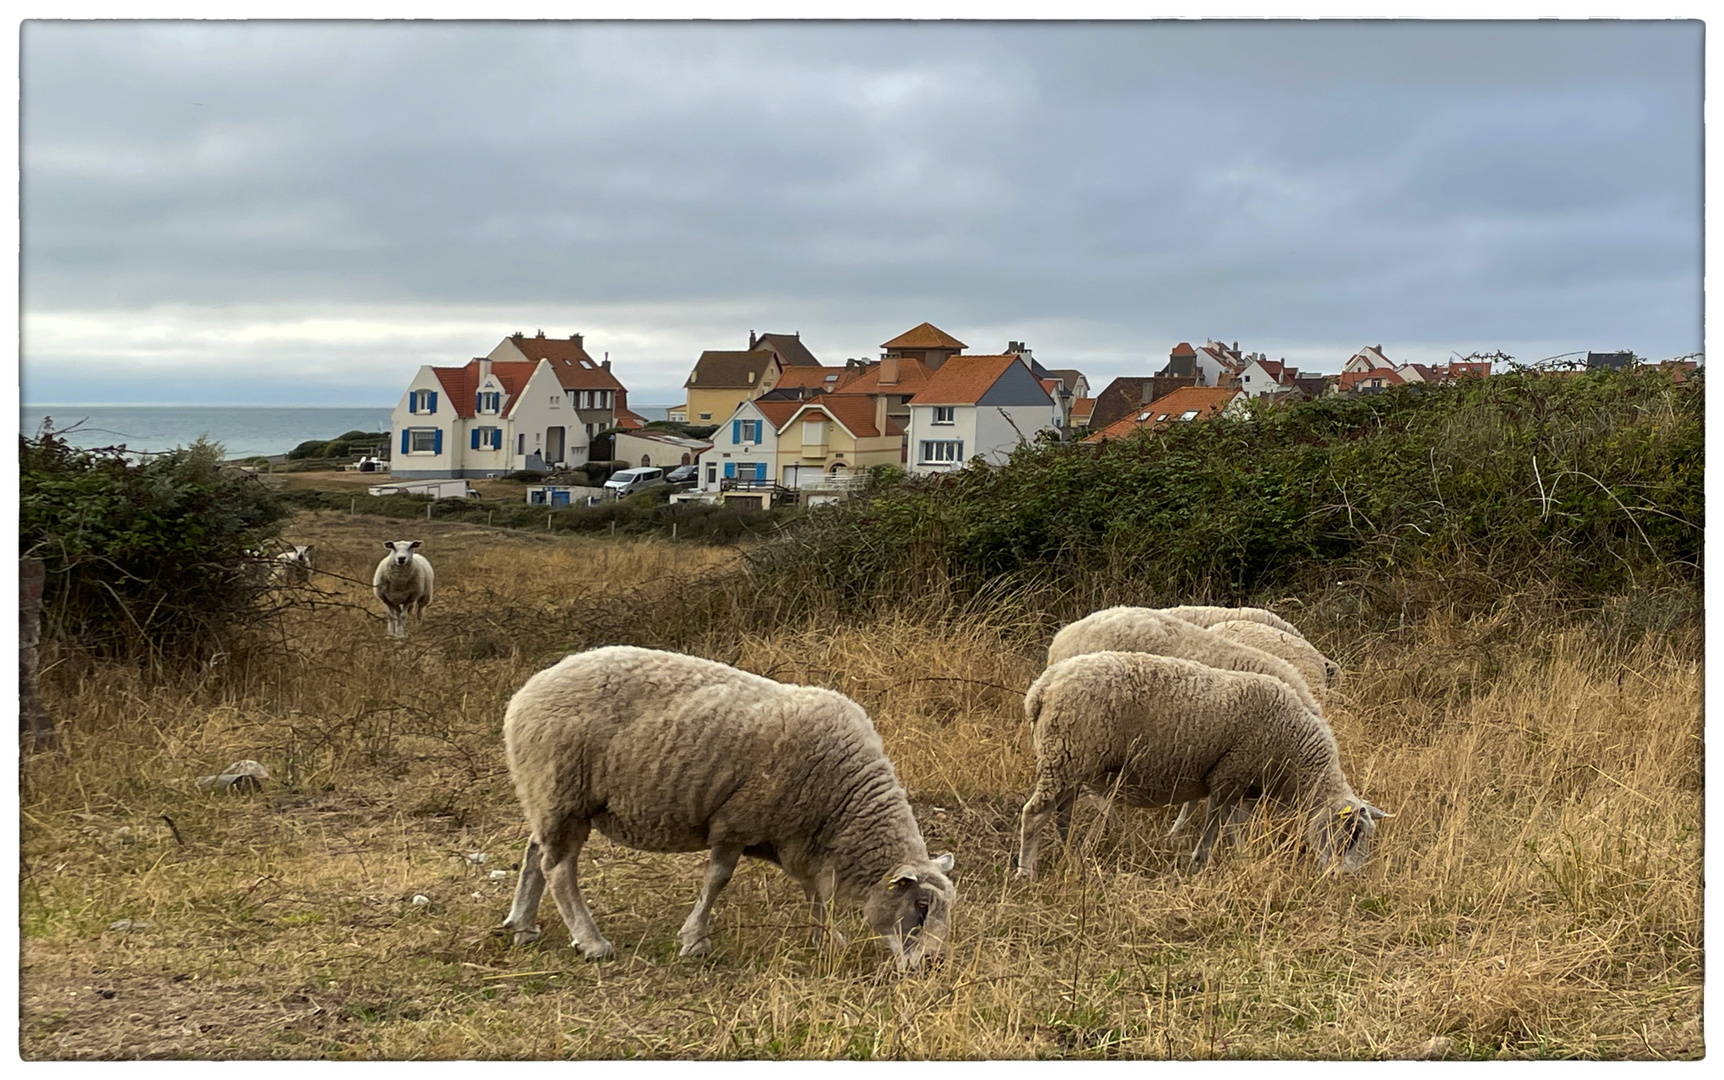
x=304, y=213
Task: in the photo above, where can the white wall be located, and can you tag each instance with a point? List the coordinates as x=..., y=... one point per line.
x=411, y=465
x=997, y=437
x=726, y=450
x=922, y=427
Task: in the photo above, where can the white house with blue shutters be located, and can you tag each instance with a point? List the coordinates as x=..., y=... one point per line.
x=745, y=448
x=485, y=418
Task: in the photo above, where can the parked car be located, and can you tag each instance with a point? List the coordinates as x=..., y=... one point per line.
x=629, y=481
x=683, y=474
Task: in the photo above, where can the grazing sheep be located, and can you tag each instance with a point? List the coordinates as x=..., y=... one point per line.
x=1146, y=630
x=666, y=752
x=1158, y=730
x=1206, y=615
x=1318, y=670
x=292, y=567
x=403, y=580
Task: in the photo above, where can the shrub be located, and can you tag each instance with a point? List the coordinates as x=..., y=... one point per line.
x=145, y=560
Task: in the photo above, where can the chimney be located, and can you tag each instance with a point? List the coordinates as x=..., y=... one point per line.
x=606, y=364
x=577, y=339
x=484, y=368
x=889, y=371
x=540, y=334
x=880, y=413
x=752, y=341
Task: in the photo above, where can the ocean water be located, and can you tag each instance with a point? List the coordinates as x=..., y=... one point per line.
x=242, y=430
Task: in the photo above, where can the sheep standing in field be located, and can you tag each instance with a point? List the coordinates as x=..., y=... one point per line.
x=1158, y=730
x=1147, y=630
x=292, y=567
x=1208, y=615
x=1318, y=670
x=403, y=580
x=666, y=752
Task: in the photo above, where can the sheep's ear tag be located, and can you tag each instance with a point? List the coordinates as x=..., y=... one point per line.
x=1344, y=811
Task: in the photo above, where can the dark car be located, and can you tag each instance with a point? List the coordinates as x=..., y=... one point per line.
x=683, y=474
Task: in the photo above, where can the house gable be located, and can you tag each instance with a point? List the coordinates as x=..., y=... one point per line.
x=1017, y=385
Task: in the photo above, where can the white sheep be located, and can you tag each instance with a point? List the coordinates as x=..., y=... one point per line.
x=292, y=567
x=1148, y=630
x=1155, y=730
x=1318, y=670
x=1208, y=615
x=403, y=580
x=666, y=752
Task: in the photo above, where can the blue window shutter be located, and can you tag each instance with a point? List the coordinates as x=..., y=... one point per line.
x=759, y=469
x=730, y=470
x=437, y=442
x=736, y=431
x=758, y=429
x=406, y=440
x=475, y=445
x=496, y=438
x=431, y=407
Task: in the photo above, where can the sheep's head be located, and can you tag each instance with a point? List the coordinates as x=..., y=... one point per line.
x=1343, y=830
x=401, y=551
x=1331, y=672
x=302, y=554
x=912, y=909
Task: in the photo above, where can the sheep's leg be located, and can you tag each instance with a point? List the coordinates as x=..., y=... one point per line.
x=694, y=937
x=1184, y=814
x=566, y=887
x=1221, y=808
x=524, y=915
x=825, y=928
x=1063, y=817
x=1044, y=802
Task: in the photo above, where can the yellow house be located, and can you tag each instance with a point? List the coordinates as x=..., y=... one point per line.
x=722, y=380
x=836, y=434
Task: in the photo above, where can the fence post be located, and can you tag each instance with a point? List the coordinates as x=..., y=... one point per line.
x=35, y=726
x=673, y=530
x=488, y=515
x=352, y=504
x=428, y=507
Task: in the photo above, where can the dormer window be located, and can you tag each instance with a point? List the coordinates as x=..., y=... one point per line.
x=421, y=401
x=1189, y=414
x=490, y=401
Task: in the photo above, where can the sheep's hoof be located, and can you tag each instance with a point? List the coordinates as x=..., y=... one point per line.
x=1024, y=874
x=601, y=950
x=696, y=948
x=526, y=937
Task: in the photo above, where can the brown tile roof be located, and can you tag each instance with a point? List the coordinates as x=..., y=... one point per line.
x=790, y=347
x=925, y=336
x=1082, y=409
x=1207, y=400
x=1184, y=349
x=1069, y=376
x=1350, y=379
x=720, y=370
x=574, y=368
x=962, y=380
x=854, y=411
x=629, y=419
x=460, y=384
x=1052, y=386
x=913, y=375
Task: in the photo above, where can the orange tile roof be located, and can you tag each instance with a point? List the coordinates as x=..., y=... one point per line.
x=913, y=375
x=460, y=384
x=574, y=368
x=925, y=336
x=962, y=380
x=1184, y=349
x=1167, y=409
x=1350, y=379
x=804, y=376
x=778, y=413
x=1082, y=409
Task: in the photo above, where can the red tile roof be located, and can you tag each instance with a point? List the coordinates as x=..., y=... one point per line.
x=962, y=380
x=1167, y=409
x=575, y=370
x=1350, y=379
x=1082, y=409
x=925, y=336
x=804, y=376
x=1184, y=349
x=460, y=384
x=778, y=413
x=913, y=375
x=855, y=412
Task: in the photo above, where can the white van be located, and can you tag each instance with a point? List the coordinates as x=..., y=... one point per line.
x=629, y=481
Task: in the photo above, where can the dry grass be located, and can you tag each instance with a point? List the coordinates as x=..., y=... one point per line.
x=1538, y=894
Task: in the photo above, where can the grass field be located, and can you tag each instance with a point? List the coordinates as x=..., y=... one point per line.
x=1538, y=894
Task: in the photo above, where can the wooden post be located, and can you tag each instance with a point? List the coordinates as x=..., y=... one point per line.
x=488, y=515
x=35, y=726
x=428, y=507
x=352, y=504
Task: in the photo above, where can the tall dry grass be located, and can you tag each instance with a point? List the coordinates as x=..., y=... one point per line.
x=1537, y=895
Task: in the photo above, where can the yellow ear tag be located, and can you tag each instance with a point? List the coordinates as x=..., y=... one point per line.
x=1344, y=811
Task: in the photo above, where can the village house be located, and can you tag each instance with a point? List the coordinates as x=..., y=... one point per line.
x=600, y=401
x=978, y=406
x=744, y=451
x=1183, y=405
x=482, y=419
x=722, y=380
x=837, y=435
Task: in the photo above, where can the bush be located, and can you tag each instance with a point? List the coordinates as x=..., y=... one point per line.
x=1590, y=485
x=351, y=444
x=144, y=560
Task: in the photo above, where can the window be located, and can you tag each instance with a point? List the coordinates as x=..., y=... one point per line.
x=746, y=431
x=942, y=451
x=1189, y=414
x=813, y=432
x=556, y=401
x=487, y=438
x=489, y=402
x=945, y=414
x=521, y=443
x=1145, y=416
x=422, y=440
x=422, y=401
x=706, y=416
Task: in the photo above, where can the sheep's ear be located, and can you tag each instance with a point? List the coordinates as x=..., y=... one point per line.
x=390, y=544
x=414, y=546
x=1374, y=813
x=944, y=862
x=902, y=879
